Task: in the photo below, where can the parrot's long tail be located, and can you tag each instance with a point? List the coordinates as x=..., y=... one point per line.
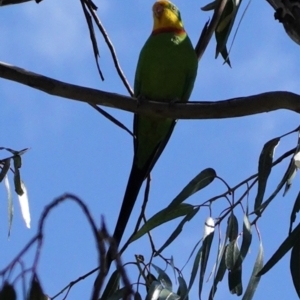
x=134, y=184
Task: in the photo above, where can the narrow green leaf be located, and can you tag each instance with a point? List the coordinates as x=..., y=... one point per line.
x=224, y=27
x=291, y=175
x=8, y=292
x=287, y=244
x=17, y=161
x=178, y=230
x=17, y=182
x=5, y=168
x=296, y=209
x=247, y=238
x=231, y=254
x=195, y=268
x=162, y=217
x=294, y=265
x=254, y=279
x=232, y=227
x=209, y=6
x=182, y=289
x=219, y=276
x=202, y=180
x=234, y=275
x=112, y=285
x=235, y=281
x=264, y=169
x=279, y=187
x=163, y=277
x=207, y=241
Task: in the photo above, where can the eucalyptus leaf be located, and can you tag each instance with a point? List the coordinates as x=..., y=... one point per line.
x=178, y=230
x=203, y=179
x=296, y=209
x=286, y=245
x=162, y=217
x=112, y=285
x=264, y=169
x=5, y=168
x=254, y=279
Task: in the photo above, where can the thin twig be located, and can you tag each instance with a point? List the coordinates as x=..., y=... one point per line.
x=112, y=50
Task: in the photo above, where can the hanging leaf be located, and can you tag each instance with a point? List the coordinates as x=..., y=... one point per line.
x=284, y=179
x=17, y=161
x=5, y=168
x=150, y=278
x=202, y=180
x=295, y=210
x=264, y=169
x=287, y=244
x=154, y=290
x=8, y=292
x=231, y=254
x=234, y=275
x=112, y=285
x=162, y=217
x=219, y=276
x=207, y=241
x=178, y=230
x=195, y=268
x=163, y=277
x=232, y=228
x=254, y=279
x=224, y=27
x=17, y=182
x=36, y=291
x=182, y=289
x=297, y=160
x=247, y=238
x=294, y=265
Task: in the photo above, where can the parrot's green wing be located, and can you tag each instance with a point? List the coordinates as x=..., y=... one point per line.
x=166, y=72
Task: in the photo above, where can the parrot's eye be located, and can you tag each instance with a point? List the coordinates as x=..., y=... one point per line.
x=174, y=8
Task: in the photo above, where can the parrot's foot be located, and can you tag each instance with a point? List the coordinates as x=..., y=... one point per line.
x=174, y=101
x=140, y=99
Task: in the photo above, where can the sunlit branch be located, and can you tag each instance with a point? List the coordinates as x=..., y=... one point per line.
x=231, y=108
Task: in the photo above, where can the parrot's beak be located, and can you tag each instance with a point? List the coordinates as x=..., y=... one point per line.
x=158, y=10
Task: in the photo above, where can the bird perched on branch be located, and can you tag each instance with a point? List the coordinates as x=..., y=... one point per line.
x=166, y=72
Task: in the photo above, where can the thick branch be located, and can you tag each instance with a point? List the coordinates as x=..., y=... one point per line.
x=9, y=2
x=235, y=107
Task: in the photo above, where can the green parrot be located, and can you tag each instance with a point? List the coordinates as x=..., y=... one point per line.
x=166, y=71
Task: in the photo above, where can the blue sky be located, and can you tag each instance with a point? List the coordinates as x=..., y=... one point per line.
x=74, y=149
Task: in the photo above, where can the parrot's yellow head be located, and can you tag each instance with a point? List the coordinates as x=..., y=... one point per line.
x=166, y=16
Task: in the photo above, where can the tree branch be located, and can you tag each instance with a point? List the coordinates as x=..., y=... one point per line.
x=9, y=2
x=231, y=108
